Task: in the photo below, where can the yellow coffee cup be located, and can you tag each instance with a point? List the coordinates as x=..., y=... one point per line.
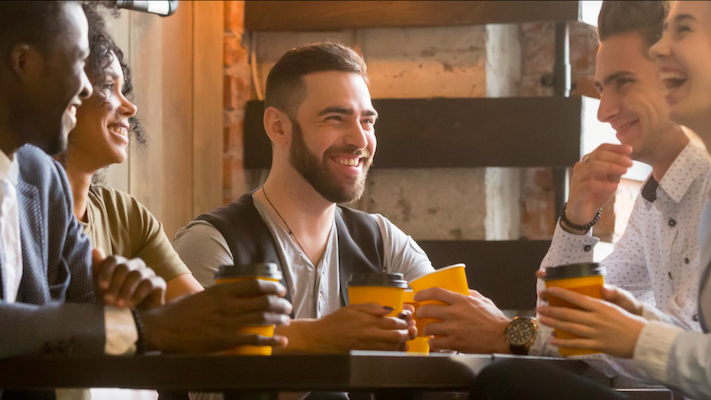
x=452, y=278
x=239, y=273
x=583, y=278
x=381, y=288
x=420, y=344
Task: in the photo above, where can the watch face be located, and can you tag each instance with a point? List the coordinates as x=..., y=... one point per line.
x=521, y=332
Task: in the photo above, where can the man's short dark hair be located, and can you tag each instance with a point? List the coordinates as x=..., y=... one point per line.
x=644, y=17
x=37, y=23
x=285, y=85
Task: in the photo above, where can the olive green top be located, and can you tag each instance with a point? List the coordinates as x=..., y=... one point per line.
x=122, y=226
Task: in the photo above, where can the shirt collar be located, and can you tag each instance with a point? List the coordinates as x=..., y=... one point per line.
x=687, y=166
x=9, y=169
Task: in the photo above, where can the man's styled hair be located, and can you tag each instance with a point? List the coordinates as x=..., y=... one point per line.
x=285, y=85
x=37, y=23
x=644, y=17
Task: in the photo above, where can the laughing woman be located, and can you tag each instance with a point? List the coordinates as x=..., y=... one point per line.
x=115, y=221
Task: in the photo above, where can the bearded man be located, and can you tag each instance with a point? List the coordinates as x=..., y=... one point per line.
x=320, y=120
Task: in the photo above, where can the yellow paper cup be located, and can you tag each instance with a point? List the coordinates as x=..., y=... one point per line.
x=452, y=278
x=239, y=273
x=381, y=288
x=583, y=278
x=420, y=344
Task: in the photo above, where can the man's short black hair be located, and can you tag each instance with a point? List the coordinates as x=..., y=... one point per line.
x=37, y=23
x=644, y=17
x=285, y=84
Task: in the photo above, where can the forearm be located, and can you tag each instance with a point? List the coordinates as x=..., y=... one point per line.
x=305, y=336
x=182, y=285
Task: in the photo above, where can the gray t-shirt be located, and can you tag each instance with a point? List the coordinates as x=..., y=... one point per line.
x=315, y=289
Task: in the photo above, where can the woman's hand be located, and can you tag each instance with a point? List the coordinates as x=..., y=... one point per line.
x=601, y=325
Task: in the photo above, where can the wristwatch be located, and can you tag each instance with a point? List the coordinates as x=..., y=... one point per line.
x=520, y=334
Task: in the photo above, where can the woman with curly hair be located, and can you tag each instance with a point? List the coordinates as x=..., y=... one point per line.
x=115, y=221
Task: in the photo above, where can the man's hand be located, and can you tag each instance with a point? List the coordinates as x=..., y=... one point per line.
x=354, y=327
x=542, y=295
x=407, y=311
x=601, y=325
x=595, y=180
x=470, y=324
x=622, y=298
x=126, y=283
x=210, y=321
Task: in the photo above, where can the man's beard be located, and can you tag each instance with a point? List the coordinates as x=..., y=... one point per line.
x=320, y=176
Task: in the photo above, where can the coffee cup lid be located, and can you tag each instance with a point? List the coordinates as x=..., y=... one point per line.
x=378, y=279
x=573, y=271
x=264, y=270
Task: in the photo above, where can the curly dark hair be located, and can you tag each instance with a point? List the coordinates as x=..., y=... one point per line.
x=102, y=51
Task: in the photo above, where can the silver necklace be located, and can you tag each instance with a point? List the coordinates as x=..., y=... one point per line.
x=291, y=233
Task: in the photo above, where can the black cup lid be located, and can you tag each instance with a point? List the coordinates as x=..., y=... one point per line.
x=266, y=270
x=378, y=279
x=573, y=271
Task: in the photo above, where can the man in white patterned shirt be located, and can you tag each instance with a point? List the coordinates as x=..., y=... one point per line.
x=656, y=258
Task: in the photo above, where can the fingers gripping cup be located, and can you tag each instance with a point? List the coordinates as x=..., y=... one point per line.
x=452, y=278
x=420, y=344
x=239, y=273
x=384, y=289
x=583, y=278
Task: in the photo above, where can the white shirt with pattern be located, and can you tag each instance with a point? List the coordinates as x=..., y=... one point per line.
x=656, y=259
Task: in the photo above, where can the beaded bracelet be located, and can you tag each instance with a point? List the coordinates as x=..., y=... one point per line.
x=141, y=347
x=582, y=228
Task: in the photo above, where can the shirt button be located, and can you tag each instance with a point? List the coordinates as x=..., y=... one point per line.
x=320, y=296
x=587, y=248
x=672, y=222
x=686, y=260
x=695, y=317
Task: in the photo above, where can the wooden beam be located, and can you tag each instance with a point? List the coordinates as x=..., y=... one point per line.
x=208, y=120
x=161, y=171
x=503, y=271
x=339, y=15
x=458, y=133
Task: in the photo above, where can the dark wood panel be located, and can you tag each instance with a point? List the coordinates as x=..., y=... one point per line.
x=504, y=271
x=338, y=15
x=458, y=133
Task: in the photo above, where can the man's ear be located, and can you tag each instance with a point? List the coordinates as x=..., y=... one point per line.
x=24, y=61
x=277, y=125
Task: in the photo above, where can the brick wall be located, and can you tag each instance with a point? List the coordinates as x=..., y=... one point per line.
x=490, y=203
x=237, y=91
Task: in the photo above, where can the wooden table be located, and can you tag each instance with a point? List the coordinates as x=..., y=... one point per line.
x=391, y=375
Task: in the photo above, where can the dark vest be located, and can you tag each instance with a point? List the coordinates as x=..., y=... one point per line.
x=360, y=243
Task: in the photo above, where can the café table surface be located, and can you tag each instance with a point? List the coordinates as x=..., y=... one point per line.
x=357, y=371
